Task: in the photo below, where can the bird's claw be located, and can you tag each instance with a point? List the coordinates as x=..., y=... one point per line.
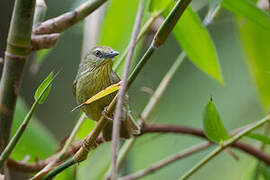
x=105, y=114
x=84, y=146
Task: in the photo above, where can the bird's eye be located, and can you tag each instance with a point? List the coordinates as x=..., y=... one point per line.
x=98, y=53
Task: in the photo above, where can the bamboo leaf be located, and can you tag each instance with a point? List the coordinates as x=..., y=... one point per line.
x=44, y=88
x=249, y=10
x=259, y=137
x=195, y=40
x=255, y=41
x=85, y=128
x=213, y=126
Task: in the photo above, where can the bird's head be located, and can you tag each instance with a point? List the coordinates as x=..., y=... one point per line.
x=100, y=56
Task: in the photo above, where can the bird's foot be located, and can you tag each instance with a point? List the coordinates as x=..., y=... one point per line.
x=84, y=146
x=105, y=114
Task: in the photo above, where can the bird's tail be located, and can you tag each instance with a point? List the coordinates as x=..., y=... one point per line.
x=128, y=129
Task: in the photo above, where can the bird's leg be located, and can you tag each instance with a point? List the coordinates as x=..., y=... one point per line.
x=105, y=114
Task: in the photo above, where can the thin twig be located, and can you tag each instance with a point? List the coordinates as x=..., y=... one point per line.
x=62, y=153
x=122, y=156
x=15, y=139
x=224, y=146
x=122, y=92
x=40, y=12
x=167, y=161
x=256, y=171
x=37, y=166
x=72, y=136
x=19, y=132
x=161, y=88
x=165, y=128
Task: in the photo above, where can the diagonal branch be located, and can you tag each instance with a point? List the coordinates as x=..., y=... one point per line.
x=165, y=128
x=37, y=166
x=122, y=92
x=224, y=145
x=146, y=129
x=63, y=151
x=64, y=21
x=46, y=34
x=167, y=161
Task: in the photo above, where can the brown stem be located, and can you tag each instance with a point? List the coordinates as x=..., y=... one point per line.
x=167, y=161
x=64, y=21
x=34, y=167
x=44, y=41
x=146, y=129
x=165, y=128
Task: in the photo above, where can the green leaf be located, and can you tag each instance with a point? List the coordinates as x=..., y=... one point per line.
x=197, y=43
x=249, y=10
x=259, y=137
x=87, y=126
x=213, y=126
x=157, y=6
x=37, y=141
x=256, y=40
x=44, y=88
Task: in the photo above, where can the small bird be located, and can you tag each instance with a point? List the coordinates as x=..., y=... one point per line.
x=95, y=74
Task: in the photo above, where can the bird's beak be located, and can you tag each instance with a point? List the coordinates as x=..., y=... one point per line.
x=111, y=54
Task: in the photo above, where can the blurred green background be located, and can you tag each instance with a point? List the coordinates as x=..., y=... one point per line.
x=238, y=101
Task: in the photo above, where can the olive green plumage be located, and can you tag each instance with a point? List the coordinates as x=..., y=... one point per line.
x=95, y=74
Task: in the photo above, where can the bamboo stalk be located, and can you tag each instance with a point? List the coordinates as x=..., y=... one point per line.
x=17, y=51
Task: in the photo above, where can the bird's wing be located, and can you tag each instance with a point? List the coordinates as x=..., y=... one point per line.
x=115, y=78
x=74, y=87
